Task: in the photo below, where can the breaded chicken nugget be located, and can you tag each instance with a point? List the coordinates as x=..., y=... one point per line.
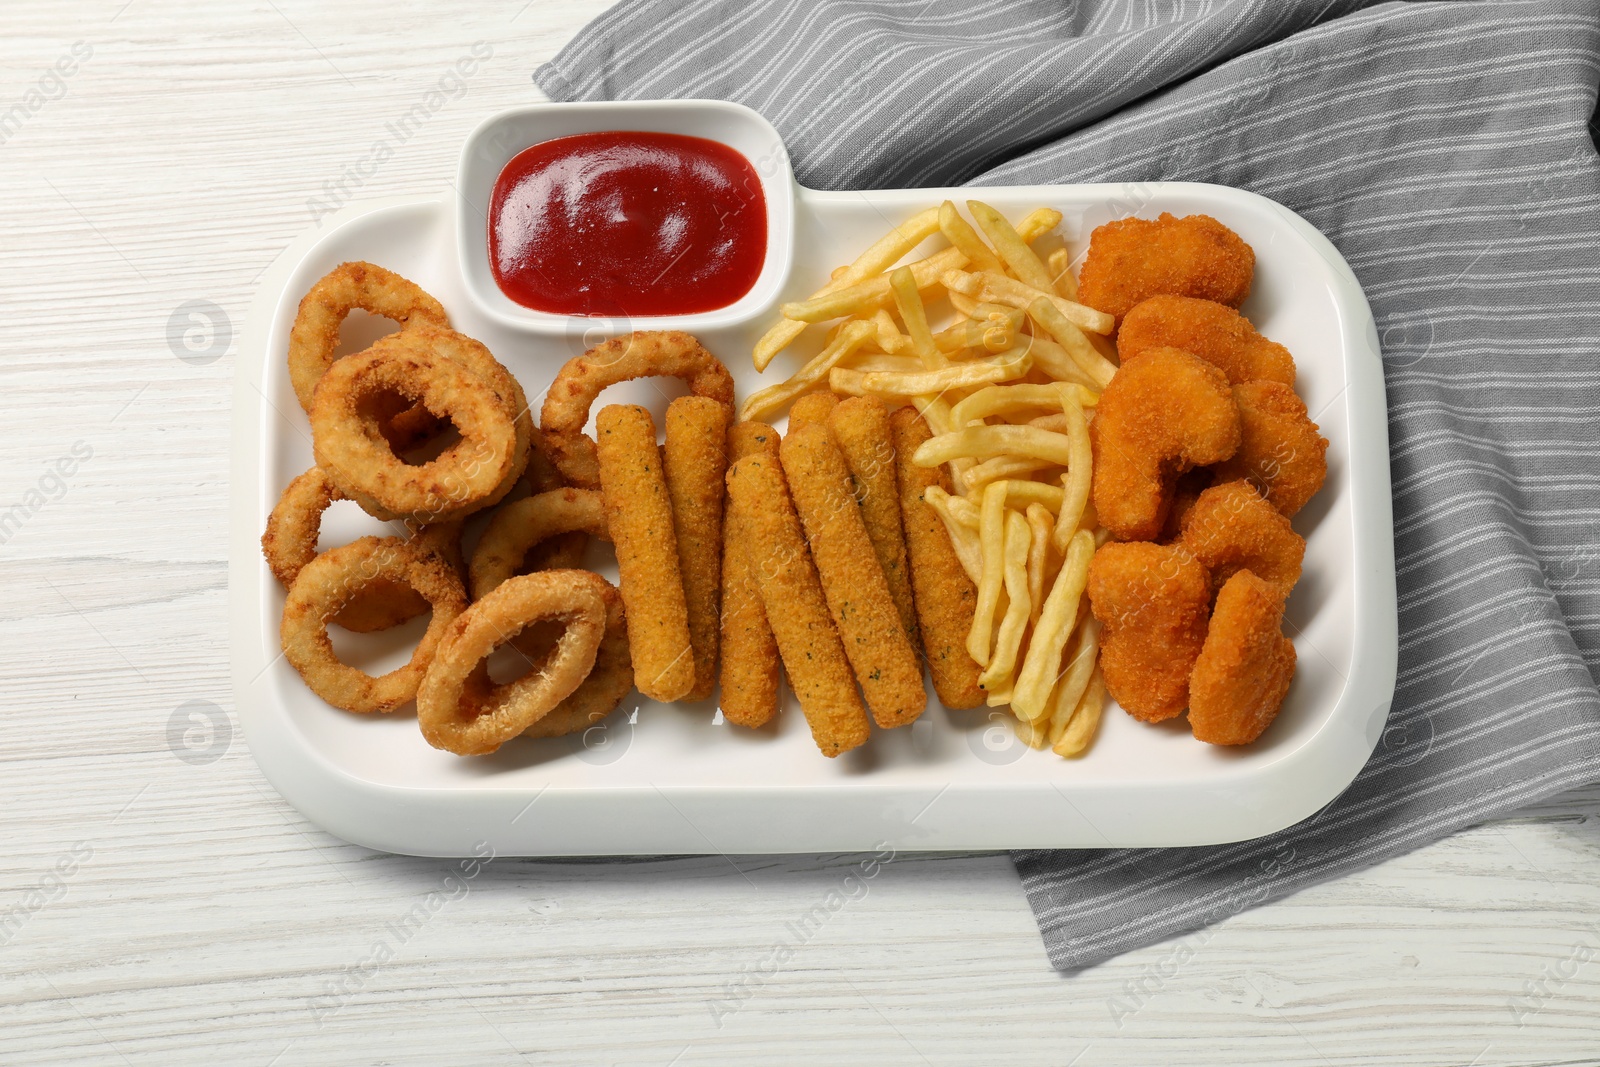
x=1131, y=260
x=1186, y=489
x=945, y=597
x=1153, y=601
x=695, y=459
x=1162, y=414
x=813, y=407
x=1281, y=452
x=1214, y=332
x=749, y=652
x=860, y=425
x=858, y=595
x=1233, y=528
x=813, y=655
x=1245, y=668
x=639, y=513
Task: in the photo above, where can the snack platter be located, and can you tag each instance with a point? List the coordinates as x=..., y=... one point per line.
x=658, y=778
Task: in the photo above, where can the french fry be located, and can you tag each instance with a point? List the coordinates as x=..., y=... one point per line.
x=1041, y=526
x=890, y=339
x=875, y=361
x=1020, y=494
x=982, y=330
x=1034, y=735
x=765, y=401
x=1071, y=338
x=908, y=299
x=935, y=411
x=1038, y=675
x=991, y=534
x=1074, y=681
x=1018, y=607
x=986, y=442
x=966, y=307
x=1038, y=222
x=1060, y=265
x=1000, y=289
x=1000, y=697
x=963, y=538
x=1005, y=400
x=1085, y=721
x=1103, y=345
x=884, y=253
x=1021, y=260
x=873, y=293
x=981, y=474
x=961, y=235
x=1059, y=365
x=1080, y=461
x=1005, y=367
x=961, y=510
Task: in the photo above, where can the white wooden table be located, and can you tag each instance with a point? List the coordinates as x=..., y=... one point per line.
x=165, y=910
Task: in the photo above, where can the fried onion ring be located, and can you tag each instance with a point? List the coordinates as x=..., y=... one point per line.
x=331, y=581
x=609, y=680
x=315, y=334
x=461, y=710
x=349, y=447
x=519, y=525
x=655, y=353
x=290, y=542
x=474, y=355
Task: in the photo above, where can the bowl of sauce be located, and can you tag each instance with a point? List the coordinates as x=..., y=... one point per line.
x=647, y=214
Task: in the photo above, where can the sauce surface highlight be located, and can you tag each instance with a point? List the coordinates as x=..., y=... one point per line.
x=627, y=223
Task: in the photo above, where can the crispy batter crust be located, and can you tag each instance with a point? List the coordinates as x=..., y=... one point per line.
x=639, y=515
x=1162, y=414
x=860, y=425
x=943, y=594
x=475, y=356
x=1281, y=453
x=290, y=542
x=519, y=525
x=461, y=710
x=609, y=680
x=1215, y=332
x=348, y=447
x=813, y=655
x=1131, y=260
x=749, y=652
x=1153, y=601
x=857, y=592
x=1232, y=528
x=1245, y=668
x=695, y=458
x=315, y=334
x=332, y=580
x=813, y=407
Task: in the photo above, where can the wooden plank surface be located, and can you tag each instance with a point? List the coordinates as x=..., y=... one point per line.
x=176, y=911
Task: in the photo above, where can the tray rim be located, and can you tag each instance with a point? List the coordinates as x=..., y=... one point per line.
x=411, y=820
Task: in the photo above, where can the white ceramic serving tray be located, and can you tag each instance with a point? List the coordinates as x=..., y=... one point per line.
x=657, y=779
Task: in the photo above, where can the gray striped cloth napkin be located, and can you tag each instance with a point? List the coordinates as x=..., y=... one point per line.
x=1448, y=151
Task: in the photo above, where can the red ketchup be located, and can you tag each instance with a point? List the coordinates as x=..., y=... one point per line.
x=627, y=223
